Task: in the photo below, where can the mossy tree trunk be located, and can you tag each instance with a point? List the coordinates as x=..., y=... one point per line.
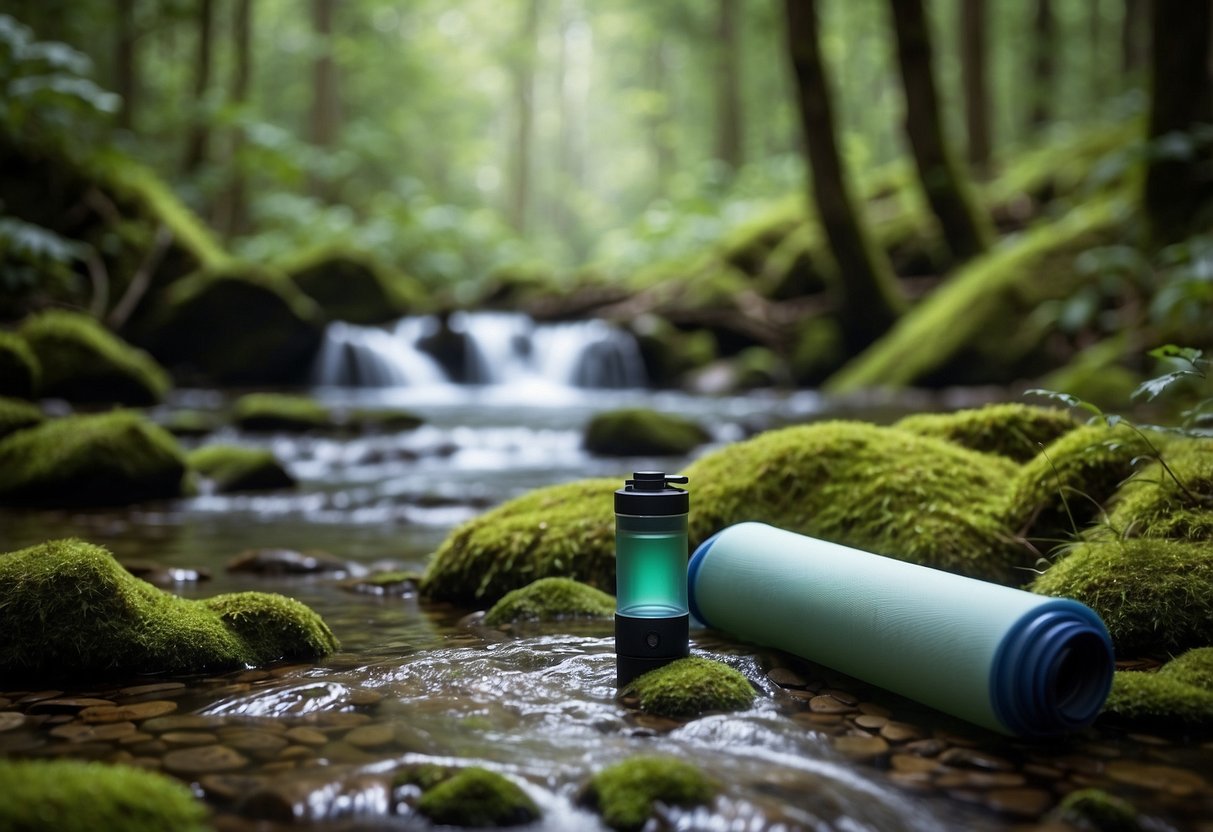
x=729, y=148
x=867, y=296
x=949, y=192
x=1133, y=28
x=126, y=76
x=1179, y=185
x=1044, y=43
x=524, y=114
x=976, y=85
x=197, y=143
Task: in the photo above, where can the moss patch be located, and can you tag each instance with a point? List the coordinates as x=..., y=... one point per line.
x=16, y=414
x=638, y=431
x=236, y=468
x=1016, y=431
x=1096, y=810
x=477, y=797
x=20, y=372
x=74, y=796
x=105, y=459
x=1152, y=594
x=82, y=361
x=625, y=793
x=69, y=609
x=280, y=412
x=689, y=687
x=1176, y=505
x=351, y=286
x=1180, y=692
x=551, y=599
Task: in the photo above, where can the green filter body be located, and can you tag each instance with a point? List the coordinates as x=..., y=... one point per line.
x=651, y=565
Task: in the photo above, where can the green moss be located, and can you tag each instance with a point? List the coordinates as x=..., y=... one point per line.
x=425, y=776
x=69, y=610
x=75, y=796
x=1176, y=504
x=625, y=794
x=1180, y=692
x=551, y=599
x=82, y=361
x=104, y=459
x=20, y=372
x=638, y=431
x=280, y=412
x=1096, y=810
x=689, y=687
x=1152, y=594
x=192, y=423
x=237, y=468
x=352, y=286
x=1016, y=431
x=477, y=797
x=16, y=415
x=383, y=421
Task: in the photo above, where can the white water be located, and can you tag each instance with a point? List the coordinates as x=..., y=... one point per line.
x=502, y=348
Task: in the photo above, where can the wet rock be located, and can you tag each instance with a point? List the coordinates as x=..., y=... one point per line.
x=900, y=732
x=980, y=780
x=121, y=713
x=83, y=732
x=626, y=794
x=229, y=788
x=826, y=704
x=180, y=722
x=396, y=584
x=477, y=797
x=205, y=759
x=66, y=705
x=262, y=744
x=10, y=720
x=968, y=758
x=156, y=687
x=871, y=721
x=861, y=748
x=551, y=599
x=181, y=738
x=691, y=686
x=913, y=763
x=1029, y=803
x=160, y=575
x=306, y=736
x=1175, y=781
x=279, y=562
x=642, y=432
x=1097, y=810
x=786, y=678
x=235, y=468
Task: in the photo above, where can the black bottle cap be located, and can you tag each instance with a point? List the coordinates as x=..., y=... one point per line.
x=649, y=493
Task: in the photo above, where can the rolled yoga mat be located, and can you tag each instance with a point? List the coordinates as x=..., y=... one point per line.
x=1015, y=662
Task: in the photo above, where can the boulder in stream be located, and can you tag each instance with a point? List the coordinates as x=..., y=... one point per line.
x=477, y=797
x=237, y=468
x=689, y=687
x=625, y=794
x=638, y=431
x=551, y=599
x=1180, y=693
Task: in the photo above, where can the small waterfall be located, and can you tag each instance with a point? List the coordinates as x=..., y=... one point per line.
x=490, y=348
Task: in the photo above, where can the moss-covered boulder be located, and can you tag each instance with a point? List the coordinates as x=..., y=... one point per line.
x=236, y=468
x=1094, y=810
x=280, y=412
x=352, y=286
x=1152, y=594
x=70, y=611
x=82, y=361
x=477, y=797
x=625, y=794
x=1016, y=431
x=104, y=459
x=192, y=423
x=17, y=414
x=20, y=372
x=551, y=599
x=1172, y=500
x=76, y=796
x=1179, y=693
x=638, y=431
x=236, y=326
x=689, y=687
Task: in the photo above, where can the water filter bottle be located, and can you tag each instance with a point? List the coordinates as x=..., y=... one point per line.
x=651, y=613
x=1015, y=662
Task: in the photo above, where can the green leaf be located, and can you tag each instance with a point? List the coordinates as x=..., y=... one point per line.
x=1189, y=354
x=1067, y=399
x=1152, y=388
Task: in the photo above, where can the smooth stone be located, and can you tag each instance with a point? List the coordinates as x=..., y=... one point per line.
x=5, y=702
x=916, y=781
x=306, y=736
x=657, y=724
x=967, y=758
x=296, y=752
x=362, y=698
x=150, y=747
x=343, y=752
x=38, y=696
x=900, y=732
x=925, y=748
x=1021, y=802
x=861, y=748
x=786, y=678
x=206, y=759
x=66, y=705
x=846, y=697
x=229, y=788
x=189, y=738
x=336, y=719
x=161, y=575
x=149, y=763
x=871, y=721
x=371, y=736
x=180, y=722
x=1175, y=781
x=123, y=713
x=158, y=687
x=136, y=737
x=980, y=780
x=10, y=720
x=255, y=742
x=912, y=763
x=872, y=709
x=57, y=719
x=83, y=732
x=828, y=704
x=252, y=676
x=277, y=562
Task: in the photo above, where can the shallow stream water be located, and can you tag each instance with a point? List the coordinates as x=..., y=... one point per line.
x=419, y=682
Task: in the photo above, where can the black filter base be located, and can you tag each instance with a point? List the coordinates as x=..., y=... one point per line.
x=644, y=644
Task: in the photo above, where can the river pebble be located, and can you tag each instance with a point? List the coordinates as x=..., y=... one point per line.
x=178, y=738
x=1175, y=781
x=83, y=732
x=827, y=704
x=180, y=722
x=279, y=562
x=10, y=720
x=1027, y=803
x=861, y=748
x=206, y=759
x=121, y=713
x=66, y=704
x=306, y=736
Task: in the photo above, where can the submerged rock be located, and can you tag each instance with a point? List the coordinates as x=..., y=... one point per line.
x=551, y=599
x=276, y=562
x=74, y=796
x=625, y=794
x=20, y=372
x=638, y=431
x=1016, y=431
x=17, y=414
x=477, y=797
x=1179, y=693
x=105, y=459
x=689, y=687
x=68, y=609
x=236, y=468
x=391, y=583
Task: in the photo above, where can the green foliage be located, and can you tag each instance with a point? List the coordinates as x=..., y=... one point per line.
x=1016, y=431
x=479, y=798
x=551, y=599
x=76, y=796
x=642, y=432
x=1096, y=810
x=33, y=257
x=69, y=610
x=237, y=468
x=350, y=286
x=625, y=793
x=20, y=372
x=1179, y=693
x=280, y=412
x=689, y=687
x=16, y=415
x=105, y=459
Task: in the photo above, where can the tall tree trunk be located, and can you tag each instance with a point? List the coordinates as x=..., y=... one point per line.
x=1179, y=187
x=232, y=209
x=729, y=147
x=1044, y=44
x=976, y=86
x=1133, y=35
x=524, y=104
x=197, y=145
x=949, y=192
x=324, y=119
x=126, y=76
x=866, y=292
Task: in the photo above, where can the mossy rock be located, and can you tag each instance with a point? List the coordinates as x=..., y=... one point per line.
x=77, y=796
x=1016, y=431
x=551, y=599
x=1097, y=811
x=477, y=797
x=236, y=326
x=393, y=420
x=638, y=431
x=280, y=412
x=70, y=611
x=1179, y=693
x=689, y=687
x=20, y=372
x=1152, y=594
x=237, y=468
x=82, y=361
x=394, y=582
x=1175, y=501
x=192, y=423
x=626, y=793
x=104, y=459
x=352, y=286
x=17, y=414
